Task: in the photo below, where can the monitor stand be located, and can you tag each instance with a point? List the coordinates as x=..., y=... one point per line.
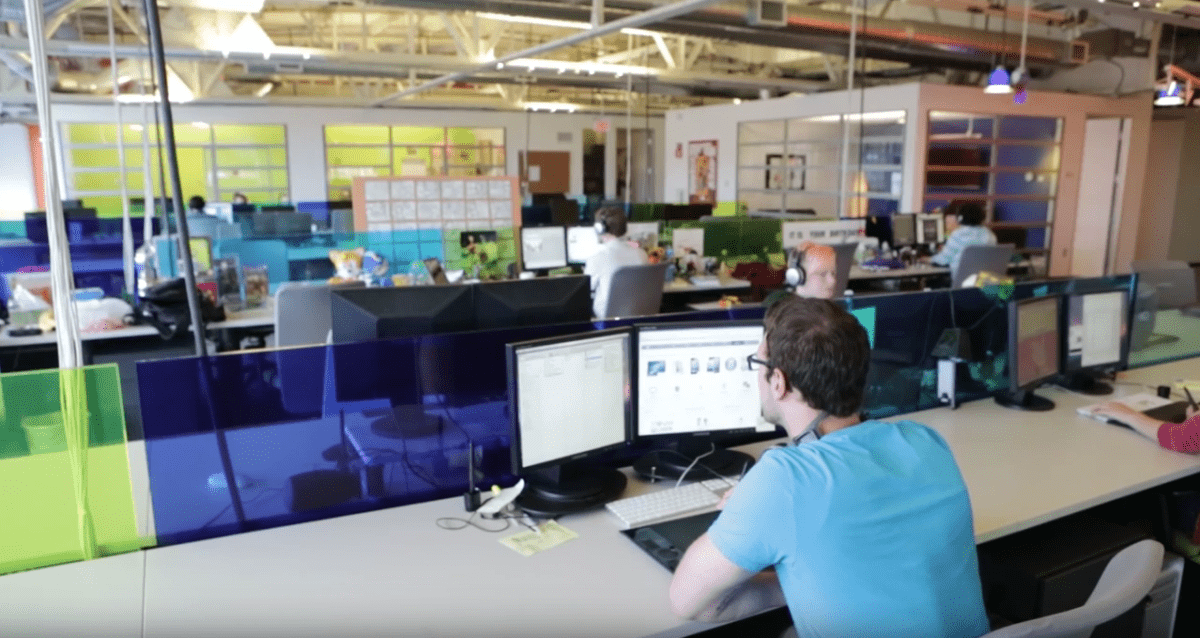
x=569, y=488
x=1085, y=383
x=672, y=463
x=1024, y=400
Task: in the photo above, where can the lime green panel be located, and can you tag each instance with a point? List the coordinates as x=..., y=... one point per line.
x=251, y=157
x=482, y=136
x=250, y=134
x=419, y=135
x=357, y=134
x=91, y=133
x=39, y=521
x=135, y=132
x=110, y=206
x=193, y=171
x=196, y=133
x=96, y=181
x=358, y=155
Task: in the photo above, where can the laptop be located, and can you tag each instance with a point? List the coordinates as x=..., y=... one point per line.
x=666, y=542
x=1151, y=405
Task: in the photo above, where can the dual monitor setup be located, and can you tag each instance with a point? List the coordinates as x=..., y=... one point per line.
x=1066, y=339
x=546, y=248
x=907, y=229
x=577, y=398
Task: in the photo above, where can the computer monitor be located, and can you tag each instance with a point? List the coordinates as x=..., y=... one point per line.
x=904, y=229
x=880, y=227
x=582, y=243
x=277, y=208
x=1034, y=342
x=569, y=401
x=693, y=381
x=931, y=229
x=536, y=216
x=365, y=314
x=533, y=302
x=686, y=212
x=544, y=248
x=644, y=233
x=1097, y=339
x=564, y=212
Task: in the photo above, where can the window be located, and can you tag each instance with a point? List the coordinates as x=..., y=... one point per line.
x=379, y=151
x=215, y=161
x=831, y=165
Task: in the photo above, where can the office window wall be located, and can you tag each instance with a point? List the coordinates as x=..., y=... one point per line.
x=1010, y=162
x=362, y=150
x=833, y=165
x=215, y=161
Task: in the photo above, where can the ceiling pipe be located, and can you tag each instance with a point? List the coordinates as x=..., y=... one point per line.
x=654, y=15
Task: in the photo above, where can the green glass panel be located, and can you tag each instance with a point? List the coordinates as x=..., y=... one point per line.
x=358, y=155
x=135, y=132
x=39, y=515
x=419, y=135
x=109, y=206
x=97, y=181
x=193, y=171
x=91, y=133
x=194, y=133
x=251, y=157
x=250, y=134
x=357, y=134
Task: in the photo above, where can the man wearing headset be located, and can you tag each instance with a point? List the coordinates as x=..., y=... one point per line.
x=867, y=524
x=612, y=254
x=812, y=272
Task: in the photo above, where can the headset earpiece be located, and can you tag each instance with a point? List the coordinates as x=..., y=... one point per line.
x=599, y=226
x=796, y=275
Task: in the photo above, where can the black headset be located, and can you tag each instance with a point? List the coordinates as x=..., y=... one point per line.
x=796, y=274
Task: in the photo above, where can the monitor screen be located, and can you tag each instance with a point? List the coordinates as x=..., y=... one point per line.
x=582, y=243
x=1097, y=326
x=696, y=378
x=533, y=302
x=1034, y=341
x=544, y=248
x=880, y=227
x=644, y=233
x=686, y=211
x=584, y=376
x=904, y=229
x=931, y=229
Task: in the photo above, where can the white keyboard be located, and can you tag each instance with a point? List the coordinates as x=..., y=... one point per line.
x=657, y=506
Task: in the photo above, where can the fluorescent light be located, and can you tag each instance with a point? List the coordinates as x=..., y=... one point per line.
x=1169, y=96
x=591, y=68
x=880, y=116
x=561, y=24
x=265, y=89
x=200, y=124
x=565, y=107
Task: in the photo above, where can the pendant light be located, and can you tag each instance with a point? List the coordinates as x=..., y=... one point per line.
x=998, y=81
x=1020, y=77
x=1170, y=96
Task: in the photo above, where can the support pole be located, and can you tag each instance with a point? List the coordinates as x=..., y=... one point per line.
x=126, y=224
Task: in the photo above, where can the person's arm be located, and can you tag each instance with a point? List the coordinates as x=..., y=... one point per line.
x=708, y=586
x=1179, y=437
x=953, y=246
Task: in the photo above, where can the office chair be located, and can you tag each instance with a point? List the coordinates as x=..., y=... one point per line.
x=302, y=312
x=1126, y=580
x=636, y=291
x=845, y=259
x=977, y=259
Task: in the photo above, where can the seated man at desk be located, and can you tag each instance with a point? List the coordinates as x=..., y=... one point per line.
x=867, y=524
x=613, y=253
x=970, y=232
x=812, y=272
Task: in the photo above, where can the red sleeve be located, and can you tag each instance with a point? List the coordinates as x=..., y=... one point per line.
x=1181, y=437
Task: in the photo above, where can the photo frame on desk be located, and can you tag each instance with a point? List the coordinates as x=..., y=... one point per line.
x=791, y=175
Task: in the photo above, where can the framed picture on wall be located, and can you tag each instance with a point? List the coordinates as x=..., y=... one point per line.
x=702, y=172
x=785, y=177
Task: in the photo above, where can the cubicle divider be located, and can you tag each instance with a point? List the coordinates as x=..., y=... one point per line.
x=67, y=492
x=301, y=434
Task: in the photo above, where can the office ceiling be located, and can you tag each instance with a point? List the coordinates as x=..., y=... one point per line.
x=355, y=52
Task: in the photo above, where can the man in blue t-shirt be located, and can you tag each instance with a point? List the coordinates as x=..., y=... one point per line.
x=868, y=525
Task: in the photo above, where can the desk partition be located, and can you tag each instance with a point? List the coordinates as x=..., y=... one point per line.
x=315, y=432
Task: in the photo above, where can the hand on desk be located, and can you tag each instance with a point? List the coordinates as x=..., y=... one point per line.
x=1141, y=423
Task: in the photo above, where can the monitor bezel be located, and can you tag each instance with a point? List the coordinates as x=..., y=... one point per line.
x=510, y=353
x=526, y=266
x=635, y=376
x=1013, y=369
x=1065, y=314
x=916, y=227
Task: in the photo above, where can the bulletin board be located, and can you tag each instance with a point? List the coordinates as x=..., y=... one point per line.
x=548, y=172
x=436, y=203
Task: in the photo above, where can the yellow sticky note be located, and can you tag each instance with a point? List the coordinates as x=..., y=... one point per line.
x=530, y=542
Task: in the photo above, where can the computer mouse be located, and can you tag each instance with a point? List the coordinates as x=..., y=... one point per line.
x=217, y=481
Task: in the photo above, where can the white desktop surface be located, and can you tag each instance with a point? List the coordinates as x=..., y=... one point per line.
x=252, y=318
x=858, y=273
x=684, y=286
x=394, y=572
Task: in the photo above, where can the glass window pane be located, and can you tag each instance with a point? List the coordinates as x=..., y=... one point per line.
x=250, y=134
x=194, y=133
x=359, y=156
x=1027, y=183
x=96, y=181
x=1022, y=211
x=1020, y=127
x=1028, y=156
x=357, y=134
x=249, y=157
x=91, y=133
x=761, y=132
x=960, y=124
x=824, y=127
x=429, y=135
x=488, y=136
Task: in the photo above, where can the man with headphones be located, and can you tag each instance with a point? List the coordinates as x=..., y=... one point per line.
x=812, y=272
x=867, y=524
x=612, y=254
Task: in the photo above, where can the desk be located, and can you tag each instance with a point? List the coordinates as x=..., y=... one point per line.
x=680, y=286
x=395, y=572
x=858, y=273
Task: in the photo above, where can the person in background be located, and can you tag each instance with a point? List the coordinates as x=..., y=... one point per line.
x=812, y=272
x=1179, y=437
x=613, y=253
x=239, y=198
x=196, y=205
x=970, y=232
x=867, y=524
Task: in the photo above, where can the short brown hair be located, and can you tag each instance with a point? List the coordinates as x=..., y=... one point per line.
x=822, y=351
x=614, y=220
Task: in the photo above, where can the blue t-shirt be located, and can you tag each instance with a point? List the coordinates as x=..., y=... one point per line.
x=869, y=530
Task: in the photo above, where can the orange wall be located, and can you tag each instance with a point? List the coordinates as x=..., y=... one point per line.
x=35, y=159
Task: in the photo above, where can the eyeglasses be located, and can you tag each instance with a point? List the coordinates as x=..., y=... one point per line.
x=753, y=361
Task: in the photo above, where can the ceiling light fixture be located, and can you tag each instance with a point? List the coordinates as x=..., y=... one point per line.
x=552, y=107
x=998, y=81
x=561, y=24
x=1171, y=96
x=1020, y=77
